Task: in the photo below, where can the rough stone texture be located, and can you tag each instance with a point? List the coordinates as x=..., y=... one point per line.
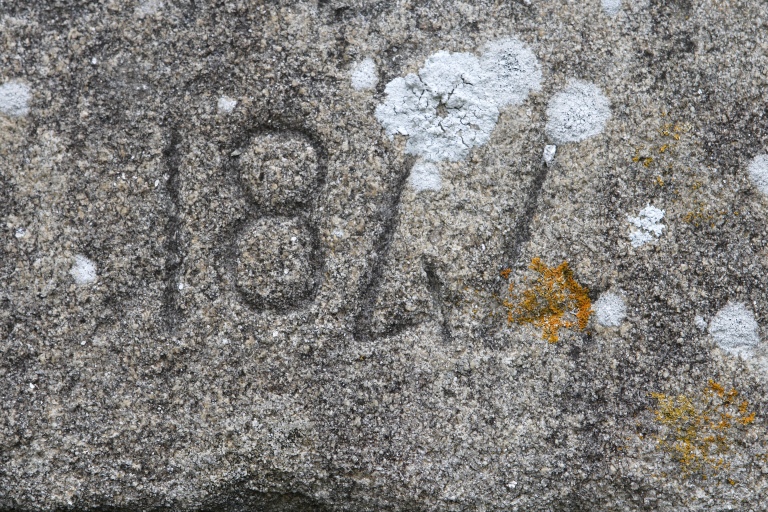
x=388, y=378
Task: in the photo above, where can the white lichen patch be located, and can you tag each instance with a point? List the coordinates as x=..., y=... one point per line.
x=610, y=309
x=577, y=113
x=758, y=172
x=734, y=329
x=425, y=176
x=549, y=154
x=453, y=103
x=649, y=226
x=364, y=75
x=226, y=105
x=700, y=323
x=611, y=7
x=149, y=7
x=509, y=72
x=83, y=271
x=14, y=98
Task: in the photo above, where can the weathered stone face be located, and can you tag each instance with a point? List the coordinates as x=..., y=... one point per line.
x=258, y=255
x=280, y=171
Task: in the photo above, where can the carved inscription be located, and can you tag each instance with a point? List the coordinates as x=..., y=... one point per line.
x=277, y=251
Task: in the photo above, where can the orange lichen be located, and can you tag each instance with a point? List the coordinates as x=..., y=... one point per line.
x=701, y=433
x=553, y=301
x=505, y=273
x=667, y=140
x=645, y=160
x=704, y=214
x=673, y=130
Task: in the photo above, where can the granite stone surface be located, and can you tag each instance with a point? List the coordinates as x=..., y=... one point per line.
x=263, y=255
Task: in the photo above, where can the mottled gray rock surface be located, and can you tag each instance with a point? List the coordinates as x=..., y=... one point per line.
x=219, y=288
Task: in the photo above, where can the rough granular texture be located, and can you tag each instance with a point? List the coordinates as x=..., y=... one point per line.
x=226, y=285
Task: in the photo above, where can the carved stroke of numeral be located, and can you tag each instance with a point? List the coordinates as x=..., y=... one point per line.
x=277, y=250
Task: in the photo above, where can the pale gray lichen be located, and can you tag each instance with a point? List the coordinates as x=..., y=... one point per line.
x=611, y=7
x=364, y=75
x=149, y=7
x=734, y=329
x=453, y=103
x=700, y=323
x=577, y=113
x=549, y=154
x=14, y=98
x=610, y=309
x=649, y=224
x=758, y=172
x=83, y=271
x=226, y=105
x=425, y=176
x=509, y=72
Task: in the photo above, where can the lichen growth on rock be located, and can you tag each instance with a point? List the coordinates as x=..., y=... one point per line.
x=577, y=113
x=670, y=135
x=701, y=432
x=705, y=214
x=452, y=105
x=554, y=300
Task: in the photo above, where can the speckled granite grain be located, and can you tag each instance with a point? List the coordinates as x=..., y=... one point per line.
x=281, y=322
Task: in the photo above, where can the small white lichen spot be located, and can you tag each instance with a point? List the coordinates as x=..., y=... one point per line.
x=149, y=7
x=549, y=154
x=700, y=323
x=577, y=113
x=734, y=329
x=226, y=105
x=14, y=99
x=364, y=75
x=611, y=7
x=425, y=176
x=648, y=222
x=83, y=271
x=452, y=104
x=610, y=309
x=758, y=173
